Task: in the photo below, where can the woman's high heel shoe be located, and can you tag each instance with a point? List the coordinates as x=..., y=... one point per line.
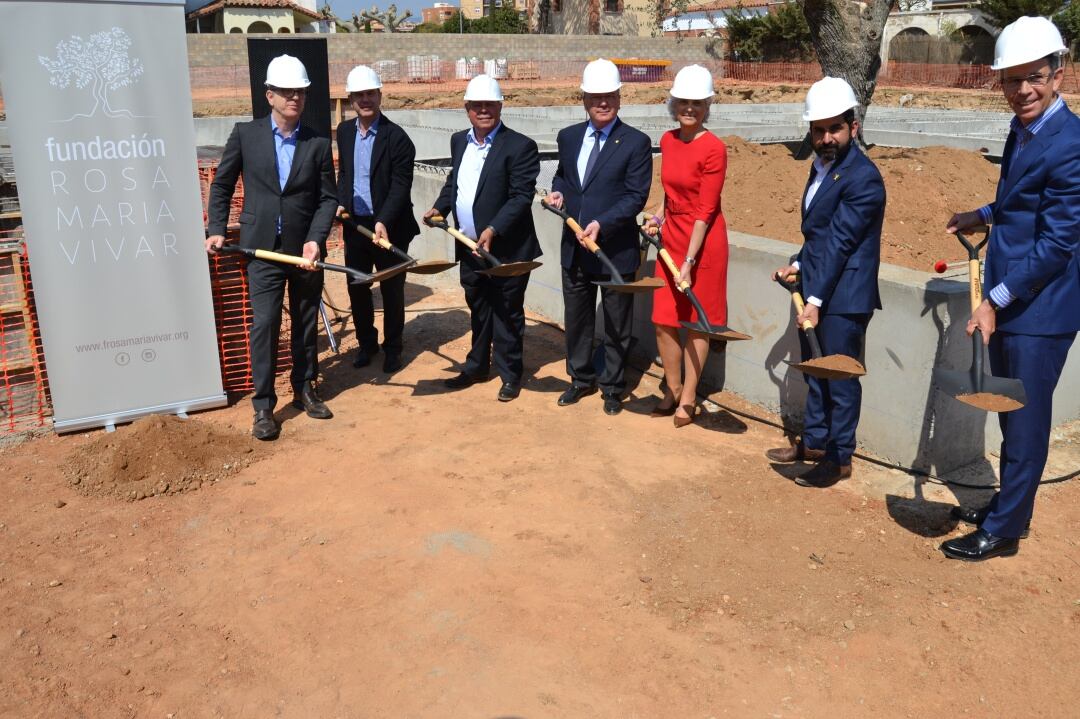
x=683, y=421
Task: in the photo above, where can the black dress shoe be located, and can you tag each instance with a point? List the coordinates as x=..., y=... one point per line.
x=976, y=517
x=612, y=404
x=265, y=428
x=392, y=362
x=795, y=453
x=464, y=380
x=824, y=474
x=308, y=400
x=509, y=391
x=980, y=545
x=574, y=393
x=364, y=355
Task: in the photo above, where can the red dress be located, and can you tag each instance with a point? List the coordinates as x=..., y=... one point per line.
x=693, y=177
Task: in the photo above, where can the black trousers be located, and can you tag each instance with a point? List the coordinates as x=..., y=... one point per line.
x=361, y=254
x=497, y=307
x=579, y=301
x=267, y=282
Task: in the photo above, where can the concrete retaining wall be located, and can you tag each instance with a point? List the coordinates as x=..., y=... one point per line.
x=904, y=419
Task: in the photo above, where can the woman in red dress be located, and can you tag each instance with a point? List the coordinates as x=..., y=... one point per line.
x=694, y=162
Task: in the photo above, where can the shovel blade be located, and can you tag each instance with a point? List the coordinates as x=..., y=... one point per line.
x=511, y=269
x=383, y=275
x=432, y=267
x=996, y=394
x=722, y=332
x=831, y=367
x=645, y=284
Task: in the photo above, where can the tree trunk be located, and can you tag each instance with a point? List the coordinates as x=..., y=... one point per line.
x=847, y=38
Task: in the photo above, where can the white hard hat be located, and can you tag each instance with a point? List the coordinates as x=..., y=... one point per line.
x=362, y=78
x=600, y=76
x=693, y=82
x=483, y=88
x=286, y=72
x=1026, y=40
x=828, y=97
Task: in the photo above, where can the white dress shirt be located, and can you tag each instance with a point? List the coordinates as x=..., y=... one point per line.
x=587, y=146
x=821, y=170
x=468, y=177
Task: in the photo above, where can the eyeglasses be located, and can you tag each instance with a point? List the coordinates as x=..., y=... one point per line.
x=290, y=92
x=1035, y=79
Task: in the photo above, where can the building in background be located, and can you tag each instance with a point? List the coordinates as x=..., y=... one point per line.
x=439, y=13
x=253, y=16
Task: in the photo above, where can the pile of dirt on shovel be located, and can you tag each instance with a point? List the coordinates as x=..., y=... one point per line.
x=158, y=455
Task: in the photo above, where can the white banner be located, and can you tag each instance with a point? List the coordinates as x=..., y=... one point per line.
x=98, y=109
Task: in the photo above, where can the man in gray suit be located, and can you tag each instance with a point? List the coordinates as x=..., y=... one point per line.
x=289, y=204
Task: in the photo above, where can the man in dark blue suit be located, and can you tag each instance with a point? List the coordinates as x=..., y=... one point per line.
x=1031, y=311
x=603, y=180
x=843, y=208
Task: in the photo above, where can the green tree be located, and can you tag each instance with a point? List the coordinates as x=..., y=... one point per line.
x=1068, y=21
x=782, y=35
x=1003, y=12
x=503, y=21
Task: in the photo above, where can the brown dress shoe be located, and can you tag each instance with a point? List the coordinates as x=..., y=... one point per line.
x=795, y=453
x=825, y=473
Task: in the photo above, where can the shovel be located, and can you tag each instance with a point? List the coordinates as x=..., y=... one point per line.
x=356, y=277
x=497, y=269
x=984, y=391
x=829, y=366
x=428, y=267
x=617, y=283
x=720, y=332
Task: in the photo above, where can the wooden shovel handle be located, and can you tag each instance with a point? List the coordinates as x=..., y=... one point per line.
x=666, y=257
x=799, y=306
x=577, y=229
x=975, y=283
x=455, y=233
x=287, y=259
x=385, y=244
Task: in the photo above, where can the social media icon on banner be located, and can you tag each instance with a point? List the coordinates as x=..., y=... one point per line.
x=123, y=359
x=149, y=355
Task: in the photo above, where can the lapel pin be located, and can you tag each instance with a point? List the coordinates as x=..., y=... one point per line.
x=836, y=177
x=616, y=142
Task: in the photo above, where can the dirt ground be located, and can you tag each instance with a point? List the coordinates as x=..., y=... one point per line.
x=924, y=186
x=440, y=554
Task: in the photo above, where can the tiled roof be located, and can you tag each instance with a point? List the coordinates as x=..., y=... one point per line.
x=276, y=4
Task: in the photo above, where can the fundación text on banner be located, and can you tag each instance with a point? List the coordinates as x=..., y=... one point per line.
x=99, y=116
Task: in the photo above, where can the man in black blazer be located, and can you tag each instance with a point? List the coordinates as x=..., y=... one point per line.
x=603, y=179
x=289, y=206
x=375, y=162
x=490, y=189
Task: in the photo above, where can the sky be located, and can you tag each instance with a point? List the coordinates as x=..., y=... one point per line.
x=344, y=9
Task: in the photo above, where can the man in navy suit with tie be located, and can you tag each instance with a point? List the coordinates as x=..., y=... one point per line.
x=843, y=208
x=603, y=180
x=1031, y=311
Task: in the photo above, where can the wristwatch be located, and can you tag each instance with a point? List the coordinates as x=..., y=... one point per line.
x=993, y=305
x=690, y=261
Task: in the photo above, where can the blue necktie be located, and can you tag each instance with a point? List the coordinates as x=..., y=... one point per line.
x=591, y=162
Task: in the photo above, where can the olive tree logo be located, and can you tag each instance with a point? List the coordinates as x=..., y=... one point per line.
x=100, y=63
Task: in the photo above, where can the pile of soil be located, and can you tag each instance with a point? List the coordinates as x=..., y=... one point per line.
x=924, y=186
x=158, y=455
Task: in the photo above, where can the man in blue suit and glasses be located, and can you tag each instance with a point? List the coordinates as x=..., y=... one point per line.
x=843, y=208
x=1031, y=311
x=603, y=180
